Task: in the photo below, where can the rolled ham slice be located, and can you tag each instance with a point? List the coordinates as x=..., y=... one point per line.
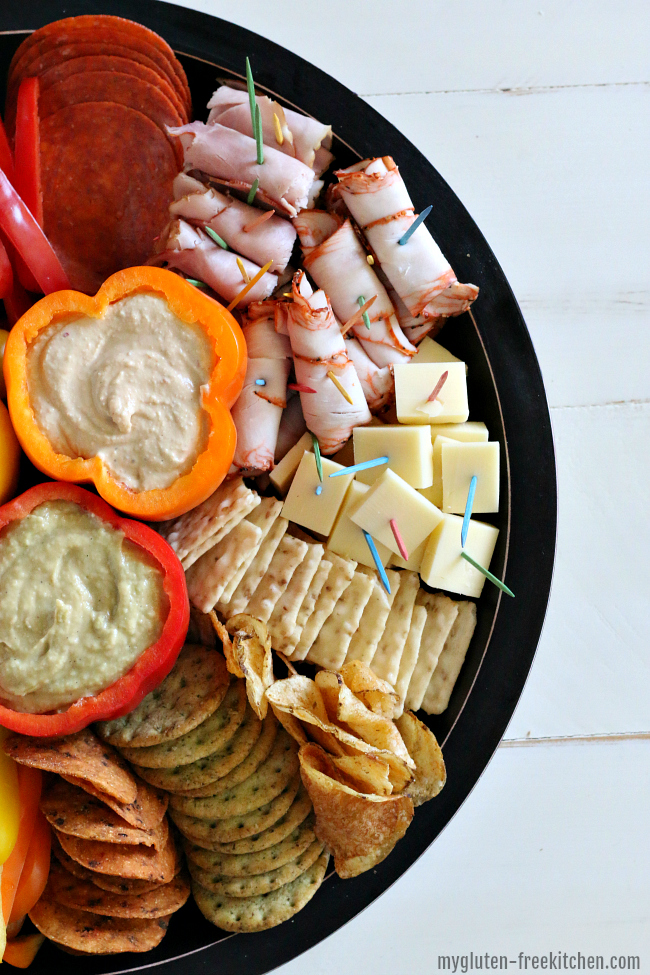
x=318, y=348
x=304, y=138
x=378, y=384
x=339, y=266
x=377, y=198
x=235, y=222
x=231, y=157
x=258, y=411
x=190, y=250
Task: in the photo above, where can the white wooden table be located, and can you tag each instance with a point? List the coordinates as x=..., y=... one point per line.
x=537, y=115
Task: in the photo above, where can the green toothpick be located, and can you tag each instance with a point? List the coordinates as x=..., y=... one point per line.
x=251, y=90
x=216, y=238
x=366, y=318
x=259, y=139
x=488, y=575
x=253, y=191
x=319, y=462
x=197, y=284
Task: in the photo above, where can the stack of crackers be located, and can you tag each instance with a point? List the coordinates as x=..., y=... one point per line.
x=116, y=877
x=241, y=556
x=235, y=793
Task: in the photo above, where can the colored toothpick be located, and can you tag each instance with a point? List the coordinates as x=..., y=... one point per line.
x=317, y=456
x=468, y=510
x=370, y=259
x=197, y=284
x=259, y=136
x=358, y=315
x=361, y=301
x=253, y=190
x=263, y=217
x=216, y=238
x=242, y=270
x=300, y=388
x=398, y=538
x=260, y=382
x=414, y=226
x=279, y=137
x=363, y=466
x=342, y=390
x=438, y=386
x=319, y=490
x=488, y=575
x=377, y=561
x=251, y=284
x=250, y=84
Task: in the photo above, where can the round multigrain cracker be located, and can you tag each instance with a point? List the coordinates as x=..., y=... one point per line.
x=93, y=933
x=191, y=692
x=249, y=864
x=84, y=895
x=257, y=790
x=258, y=754
x=298, y=811
x=228, y=830
x=210, y=736
x=260, y=883
x=202, y=774
x=244, y=914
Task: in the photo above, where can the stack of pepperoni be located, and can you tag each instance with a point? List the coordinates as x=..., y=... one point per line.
x=108, y=88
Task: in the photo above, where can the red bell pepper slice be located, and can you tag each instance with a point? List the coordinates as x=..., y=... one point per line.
x=6, y=159
x=19, y=225
x=27, y=149
x=153, y=665
x=6, y=273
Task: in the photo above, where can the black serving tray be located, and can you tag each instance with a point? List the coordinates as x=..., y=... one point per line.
x=505, y=390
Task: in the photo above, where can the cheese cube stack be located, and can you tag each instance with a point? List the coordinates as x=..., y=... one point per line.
x=431, y=351
x=316, y=512
x=282, y=474
x=442, y=566
x=470, y=432
x=409, y=451
x=391, y=497
x=347, y=539
x=461, y=462
x=414, y=383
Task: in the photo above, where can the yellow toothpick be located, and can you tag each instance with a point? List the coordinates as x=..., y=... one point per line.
x=341, y=389
x=279, y=138
x=251, y=284
x=242, y=270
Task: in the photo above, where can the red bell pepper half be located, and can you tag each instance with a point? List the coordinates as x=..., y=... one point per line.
x=153, y=665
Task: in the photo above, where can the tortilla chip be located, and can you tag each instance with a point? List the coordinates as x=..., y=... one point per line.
x=146, y=812
x=375, y=693
x=452, y=657
x=92, y=933
x=441, y=614
x=84, y=895
x=115, y=885
x=82, y=755
x=339, y=577
x=190, y=693
x=198, y=530
x=287, y=644
x=360, y=830
x=388, y=654
x=410, y=655
x=208, y=576
x=365, y=641
x=263, y=517
x=285, y=613
x=250, y=654
x=73, y=811
x=430, y=773
x=331, y=645
x=255, y=571
x=131, y=862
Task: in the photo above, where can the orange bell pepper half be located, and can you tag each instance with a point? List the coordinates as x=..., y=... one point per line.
x=36, y=869
x=226, y=381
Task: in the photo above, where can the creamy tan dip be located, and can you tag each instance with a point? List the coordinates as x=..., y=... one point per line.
x=126, y=388
x=79, y=605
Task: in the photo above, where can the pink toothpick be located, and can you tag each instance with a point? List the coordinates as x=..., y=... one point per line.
x=438, y=386
x=400, y=541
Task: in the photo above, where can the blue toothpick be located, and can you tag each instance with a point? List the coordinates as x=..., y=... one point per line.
x=253, y=191
x=319, y=490
x=488, y=575
x=260, y=382
x=414, y=226
x=468, y=510
x=366, y=318
x=377, y=560
x=216, y=238
x=377, y=462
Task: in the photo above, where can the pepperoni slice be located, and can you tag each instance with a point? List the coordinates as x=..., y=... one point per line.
x=107, y=174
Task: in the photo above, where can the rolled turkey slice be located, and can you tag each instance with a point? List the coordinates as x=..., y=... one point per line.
x=378, y=384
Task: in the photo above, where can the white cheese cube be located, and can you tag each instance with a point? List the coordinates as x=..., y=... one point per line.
x=415, y=383
x=345, y=456
x=282, y=474
x=460, y=462
x=414, y=559
x=315, y=511
x=430, y=351
x=442, y=566
x=347, y=539
x=391, y=497
x=470, y=432
x=434, y=492
x=409, y=450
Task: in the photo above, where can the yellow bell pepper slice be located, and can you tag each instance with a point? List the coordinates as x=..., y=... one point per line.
x=9, y=802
